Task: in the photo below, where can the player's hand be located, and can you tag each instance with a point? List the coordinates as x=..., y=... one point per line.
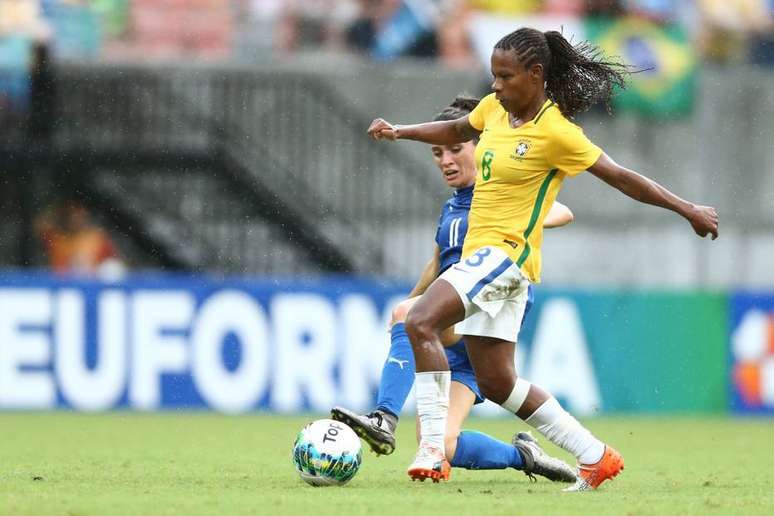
x=704, y=220
x=381, y=129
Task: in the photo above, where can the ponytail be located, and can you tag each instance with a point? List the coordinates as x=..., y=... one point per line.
x=577, y=76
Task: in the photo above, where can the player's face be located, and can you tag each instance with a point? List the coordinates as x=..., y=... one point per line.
x=456, y=163
x=513, y=85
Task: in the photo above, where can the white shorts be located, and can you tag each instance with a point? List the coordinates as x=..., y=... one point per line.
x=493, y=291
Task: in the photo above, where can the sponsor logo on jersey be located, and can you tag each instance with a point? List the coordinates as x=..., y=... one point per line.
x=511, y=243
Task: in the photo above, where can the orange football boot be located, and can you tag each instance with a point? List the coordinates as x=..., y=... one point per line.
x=429, y=463
x=590, y=476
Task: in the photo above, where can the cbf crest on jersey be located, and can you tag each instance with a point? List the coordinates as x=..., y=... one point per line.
x=522, y=148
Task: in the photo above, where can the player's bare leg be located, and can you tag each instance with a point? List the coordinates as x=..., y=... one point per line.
x=492, y=360
x=461, y=400
x=437, y=309
x=377, y=428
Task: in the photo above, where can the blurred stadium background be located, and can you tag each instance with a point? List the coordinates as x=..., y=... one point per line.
x=193, y=217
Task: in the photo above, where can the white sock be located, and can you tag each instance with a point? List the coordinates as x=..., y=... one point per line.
x=432, y=393
x=559, y=427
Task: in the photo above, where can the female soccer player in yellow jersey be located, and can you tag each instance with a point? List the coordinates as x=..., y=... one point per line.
x=527, y=148
x=465, y=449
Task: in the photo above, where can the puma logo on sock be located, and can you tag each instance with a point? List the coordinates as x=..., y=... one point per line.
x=399, y=362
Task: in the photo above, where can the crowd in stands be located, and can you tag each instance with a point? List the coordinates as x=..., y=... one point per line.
x=722, y=30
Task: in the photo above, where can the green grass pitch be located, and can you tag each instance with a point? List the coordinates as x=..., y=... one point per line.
x=127, y=463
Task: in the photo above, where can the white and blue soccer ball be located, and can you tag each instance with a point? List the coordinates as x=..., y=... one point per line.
x=327, y=453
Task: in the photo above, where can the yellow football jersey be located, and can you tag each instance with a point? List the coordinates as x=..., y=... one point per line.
x=520, y=172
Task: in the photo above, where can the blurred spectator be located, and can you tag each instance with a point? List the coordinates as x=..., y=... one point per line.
x=469, y=28
x=20, y=17
x=388, y=29
x=42, y=104
x=608, y=8
x=146, y=29
x=762, y=44
x=453, y=40
x=727, y=26
x=307, y=23
x=74, y=244
x=257, y=30
x=564, y=7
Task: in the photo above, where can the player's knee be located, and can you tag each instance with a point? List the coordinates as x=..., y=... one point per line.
x=496, y=387
x=400, y=312
x=418, y=325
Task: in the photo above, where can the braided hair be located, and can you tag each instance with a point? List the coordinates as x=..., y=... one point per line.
x=577, y=76
x=462, y=106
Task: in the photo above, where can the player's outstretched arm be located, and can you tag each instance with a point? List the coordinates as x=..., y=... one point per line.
x=704, y=219
x=559, y=215
x=446, y=132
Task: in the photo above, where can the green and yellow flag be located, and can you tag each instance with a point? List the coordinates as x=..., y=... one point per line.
x=666, y=87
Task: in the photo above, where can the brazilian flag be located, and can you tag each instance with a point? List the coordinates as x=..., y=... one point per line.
x=666, y=88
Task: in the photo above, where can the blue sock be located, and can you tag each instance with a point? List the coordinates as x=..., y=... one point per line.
x=397, y=372
x=480, y=451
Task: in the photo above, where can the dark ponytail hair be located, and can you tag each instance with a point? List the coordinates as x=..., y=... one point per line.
x=577, y=76
x=462, y=106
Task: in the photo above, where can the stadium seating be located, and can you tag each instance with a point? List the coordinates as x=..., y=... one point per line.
x=336, y=200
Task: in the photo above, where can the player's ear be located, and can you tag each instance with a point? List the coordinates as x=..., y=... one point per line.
x=536, y=73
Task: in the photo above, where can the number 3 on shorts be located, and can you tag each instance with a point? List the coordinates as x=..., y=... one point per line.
x=479, y=257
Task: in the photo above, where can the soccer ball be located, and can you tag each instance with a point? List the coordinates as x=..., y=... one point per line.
x=327, y=453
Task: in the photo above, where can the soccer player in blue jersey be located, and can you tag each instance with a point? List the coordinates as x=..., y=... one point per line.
x=466, y=449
